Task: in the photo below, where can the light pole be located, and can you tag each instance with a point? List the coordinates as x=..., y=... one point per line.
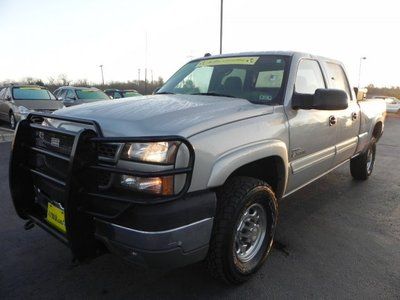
x=102, y=74
x=220, y=27
x=359, y=70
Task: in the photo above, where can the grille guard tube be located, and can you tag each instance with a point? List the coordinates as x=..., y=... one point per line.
x=77, y=189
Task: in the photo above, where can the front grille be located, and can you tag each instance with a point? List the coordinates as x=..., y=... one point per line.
x=57, y=142
x=107, y=150
x=103, y=179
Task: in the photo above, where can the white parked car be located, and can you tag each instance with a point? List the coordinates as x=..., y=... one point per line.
x=392, y=104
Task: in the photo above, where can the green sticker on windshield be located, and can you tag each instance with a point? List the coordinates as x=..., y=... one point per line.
x=249, y=60
x=29, y=88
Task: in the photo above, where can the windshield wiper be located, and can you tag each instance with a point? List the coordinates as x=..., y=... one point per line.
x=214, y=94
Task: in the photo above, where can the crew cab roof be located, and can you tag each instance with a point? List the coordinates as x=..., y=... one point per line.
x=257, y=53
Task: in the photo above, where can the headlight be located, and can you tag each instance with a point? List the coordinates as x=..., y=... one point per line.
x=154, y=185
x=23, y=110
x=156, y=152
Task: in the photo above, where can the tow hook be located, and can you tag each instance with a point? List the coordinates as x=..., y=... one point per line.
x=29, y=225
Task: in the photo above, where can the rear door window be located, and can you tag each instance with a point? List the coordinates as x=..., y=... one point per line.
x=337, y=78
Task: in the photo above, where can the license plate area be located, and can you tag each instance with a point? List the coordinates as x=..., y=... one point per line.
x=55, y=217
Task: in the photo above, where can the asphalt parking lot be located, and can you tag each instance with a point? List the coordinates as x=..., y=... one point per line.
x=337, y=238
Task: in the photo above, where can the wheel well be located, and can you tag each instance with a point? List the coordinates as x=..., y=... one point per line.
x=270, y=169
x=377, y=130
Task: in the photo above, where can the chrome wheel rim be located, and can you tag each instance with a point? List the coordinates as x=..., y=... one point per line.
x=250, y=233
x=12, y=121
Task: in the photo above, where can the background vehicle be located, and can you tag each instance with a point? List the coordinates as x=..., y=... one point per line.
x=195, y=171
x=392, y=103
x=71, y=95
x=17, y=101
x=116, y=94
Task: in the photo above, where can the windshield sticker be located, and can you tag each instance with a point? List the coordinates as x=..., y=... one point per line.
x=29, y=88
x=250, y=60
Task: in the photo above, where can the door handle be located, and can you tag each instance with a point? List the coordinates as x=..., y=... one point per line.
x=332, y=120
x=354, y=116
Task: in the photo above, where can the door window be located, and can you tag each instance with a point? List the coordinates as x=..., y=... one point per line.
x=70, y=95
x=337, y=78
x=309, y=77
x=117, y=95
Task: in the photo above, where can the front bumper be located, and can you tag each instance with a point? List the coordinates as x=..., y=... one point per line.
x=158, y=249
x=171, y=234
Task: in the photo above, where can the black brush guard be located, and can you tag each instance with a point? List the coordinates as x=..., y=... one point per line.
x=78, y=189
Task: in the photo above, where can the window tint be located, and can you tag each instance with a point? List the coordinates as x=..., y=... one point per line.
x=337, y=78
x=92, y=95
x=309, y=77
x=31, y=93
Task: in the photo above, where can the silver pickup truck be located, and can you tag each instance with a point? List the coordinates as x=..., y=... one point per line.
x=196, y=171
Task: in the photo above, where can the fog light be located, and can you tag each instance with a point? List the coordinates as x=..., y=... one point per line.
x=154, y=185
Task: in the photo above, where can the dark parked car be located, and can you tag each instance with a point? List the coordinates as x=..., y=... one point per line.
x=72, y=95
x=116, y=94
x=17, y=101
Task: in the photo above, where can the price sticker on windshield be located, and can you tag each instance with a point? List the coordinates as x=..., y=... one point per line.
x=248, y=60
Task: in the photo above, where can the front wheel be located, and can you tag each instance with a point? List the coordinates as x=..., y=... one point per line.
x=361, y=167
x=244, y=229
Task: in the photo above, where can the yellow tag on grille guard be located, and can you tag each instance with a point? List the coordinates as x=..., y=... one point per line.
x=56, y=218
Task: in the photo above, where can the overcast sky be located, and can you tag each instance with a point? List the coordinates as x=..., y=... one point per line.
x=44, y=38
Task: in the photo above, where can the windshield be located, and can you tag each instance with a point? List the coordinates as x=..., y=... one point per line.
x=259, y=79
x=91, y=95
x=131, y=94
x=31, y=93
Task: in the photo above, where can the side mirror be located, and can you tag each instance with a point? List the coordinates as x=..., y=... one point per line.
x=323, y=99
x=8, y=98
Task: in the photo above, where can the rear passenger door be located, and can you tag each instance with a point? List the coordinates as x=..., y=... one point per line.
x=311, y=137
x=348, y=120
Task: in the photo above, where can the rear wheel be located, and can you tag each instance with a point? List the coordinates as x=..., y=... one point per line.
x=361, y=167
x=13, y=122
x=243, y=230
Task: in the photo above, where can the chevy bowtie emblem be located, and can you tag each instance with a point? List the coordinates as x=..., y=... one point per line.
x=55, y=142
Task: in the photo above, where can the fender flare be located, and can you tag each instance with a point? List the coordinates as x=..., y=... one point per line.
x=230, y=161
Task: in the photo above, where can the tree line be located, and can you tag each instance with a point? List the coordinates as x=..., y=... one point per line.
x=393, y=91
x=143, y=87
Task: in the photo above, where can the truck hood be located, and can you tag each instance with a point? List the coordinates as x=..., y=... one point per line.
x=154, y=115
x=39, y=104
